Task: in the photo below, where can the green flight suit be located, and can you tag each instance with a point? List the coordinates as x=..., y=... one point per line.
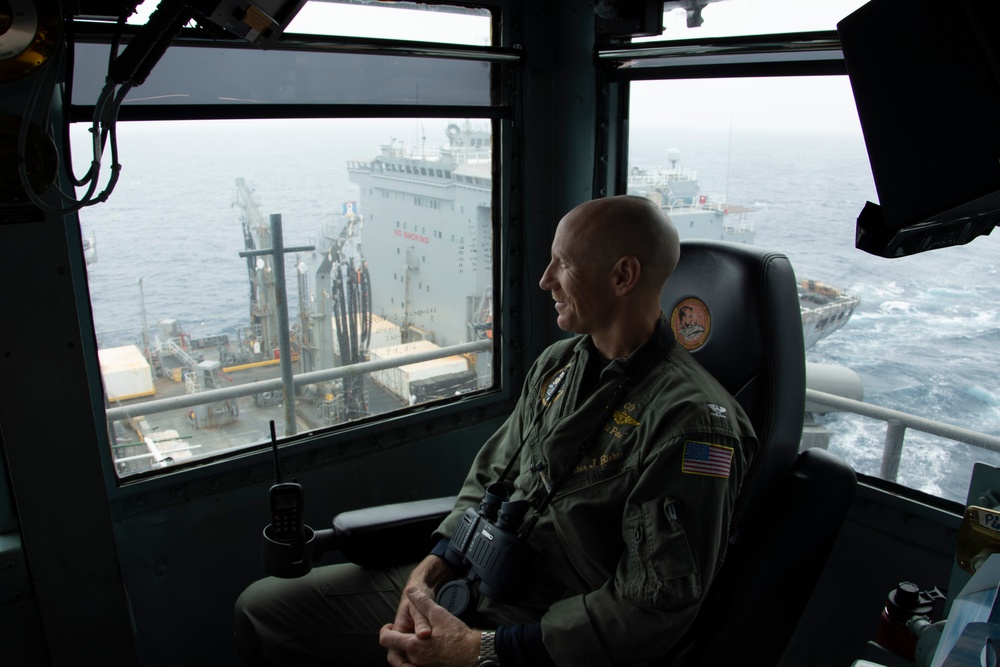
x=638, y=529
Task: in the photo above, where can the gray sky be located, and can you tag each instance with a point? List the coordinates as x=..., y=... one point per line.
x=775, y=103
x=788, y=103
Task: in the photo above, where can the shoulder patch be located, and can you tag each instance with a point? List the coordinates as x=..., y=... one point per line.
x=705, y=458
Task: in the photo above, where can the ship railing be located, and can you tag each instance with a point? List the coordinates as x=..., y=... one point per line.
x=835, y=305
x=467, y=156
x=191, y=384
x=179, y=352
x=897, y=423
x=277, y=384
x=687, y=208
x=661, y=175
x=711, y=203
x=394, y=149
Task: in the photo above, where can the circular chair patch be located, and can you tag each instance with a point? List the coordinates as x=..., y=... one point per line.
x=691, y=323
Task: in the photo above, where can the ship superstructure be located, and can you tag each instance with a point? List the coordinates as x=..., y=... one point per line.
x=428, y=236
x=695, y=214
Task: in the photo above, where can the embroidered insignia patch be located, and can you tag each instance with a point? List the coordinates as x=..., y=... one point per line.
x=691, y=323
x=704, y=458
x=717, y=410
x=551, y=389
x=623, y=419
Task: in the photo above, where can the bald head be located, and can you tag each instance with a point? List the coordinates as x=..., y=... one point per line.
x=609, y=260
x=626, y=225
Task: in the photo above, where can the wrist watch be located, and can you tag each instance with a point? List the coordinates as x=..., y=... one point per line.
x=488, y=651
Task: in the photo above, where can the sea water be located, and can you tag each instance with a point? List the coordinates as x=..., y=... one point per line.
x=923, y=340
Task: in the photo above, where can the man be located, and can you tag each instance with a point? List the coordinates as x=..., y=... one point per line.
x=629, y=465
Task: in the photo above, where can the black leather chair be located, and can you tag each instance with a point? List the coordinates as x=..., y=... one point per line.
x=736, y=308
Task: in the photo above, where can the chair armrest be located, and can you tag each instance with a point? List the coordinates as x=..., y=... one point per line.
x=390, y=534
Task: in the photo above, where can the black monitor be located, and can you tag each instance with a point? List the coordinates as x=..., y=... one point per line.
x=926, y=81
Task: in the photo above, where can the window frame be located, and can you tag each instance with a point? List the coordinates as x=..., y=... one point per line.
x=813, y=54
x=751, y=56
x=371, y=435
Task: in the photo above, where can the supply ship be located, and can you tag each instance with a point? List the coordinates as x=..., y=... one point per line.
x=428, y=216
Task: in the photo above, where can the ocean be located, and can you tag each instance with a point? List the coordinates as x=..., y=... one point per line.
x=924, y=339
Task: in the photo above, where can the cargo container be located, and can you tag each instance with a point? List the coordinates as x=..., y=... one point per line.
x=126, y=373
x=398, y=380
x=443, y=386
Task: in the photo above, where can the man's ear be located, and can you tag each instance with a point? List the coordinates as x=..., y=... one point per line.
x=625, y=274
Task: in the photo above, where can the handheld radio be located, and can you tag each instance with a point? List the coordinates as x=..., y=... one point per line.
x=286, y=508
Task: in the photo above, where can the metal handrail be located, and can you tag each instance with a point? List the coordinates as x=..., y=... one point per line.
x=276, y=384
x=897, y=423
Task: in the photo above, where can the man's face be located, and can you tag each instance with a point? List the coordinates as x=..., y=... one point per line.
x=579, y=278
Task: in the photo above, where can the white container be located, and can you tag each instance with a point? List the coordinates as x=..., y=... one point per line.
x=126, y=373
x=397, y=380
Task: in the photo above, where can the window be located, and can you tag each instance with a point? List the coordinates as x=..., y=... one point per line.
x=236, y=76
x=183, y=320
x=271, y=144
x=782, y=163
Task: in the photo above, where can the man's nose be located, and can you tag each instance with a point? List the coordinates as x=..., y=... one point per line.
x=546, y=281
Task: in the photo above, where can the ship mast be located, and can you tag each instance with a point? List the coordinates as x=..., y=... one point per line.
x=263, y=334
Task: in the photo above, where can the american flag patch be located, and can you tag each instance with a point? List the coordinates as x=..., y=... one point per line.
x=703, y=458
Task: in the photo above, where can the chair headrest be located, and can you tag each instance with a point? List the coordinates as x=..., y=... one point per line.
x=736, y=308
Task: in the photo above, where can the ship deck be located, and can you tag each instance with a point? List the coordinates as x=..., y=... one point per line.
x=139, y=443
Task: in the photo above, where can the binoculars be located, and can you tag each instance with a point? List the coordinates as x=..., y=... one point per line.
x=487, y=543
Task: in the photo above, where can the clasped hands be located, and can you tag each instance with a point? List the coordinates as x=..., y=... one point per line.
x=425, y=634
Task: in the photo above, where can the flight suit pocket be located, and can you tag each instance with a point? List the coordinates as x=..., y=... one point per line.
x=660, y=569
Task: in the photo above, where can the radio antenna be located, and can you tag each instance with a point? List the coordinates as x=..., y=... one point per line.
x=274, y=449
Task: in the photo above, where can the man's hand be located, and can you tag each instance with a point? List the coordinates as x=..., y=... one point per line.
x=438, y=638
x=427, y=576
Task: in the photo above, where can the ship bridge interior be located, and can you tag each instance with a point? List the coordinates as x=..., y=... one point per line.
x=252, y=242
